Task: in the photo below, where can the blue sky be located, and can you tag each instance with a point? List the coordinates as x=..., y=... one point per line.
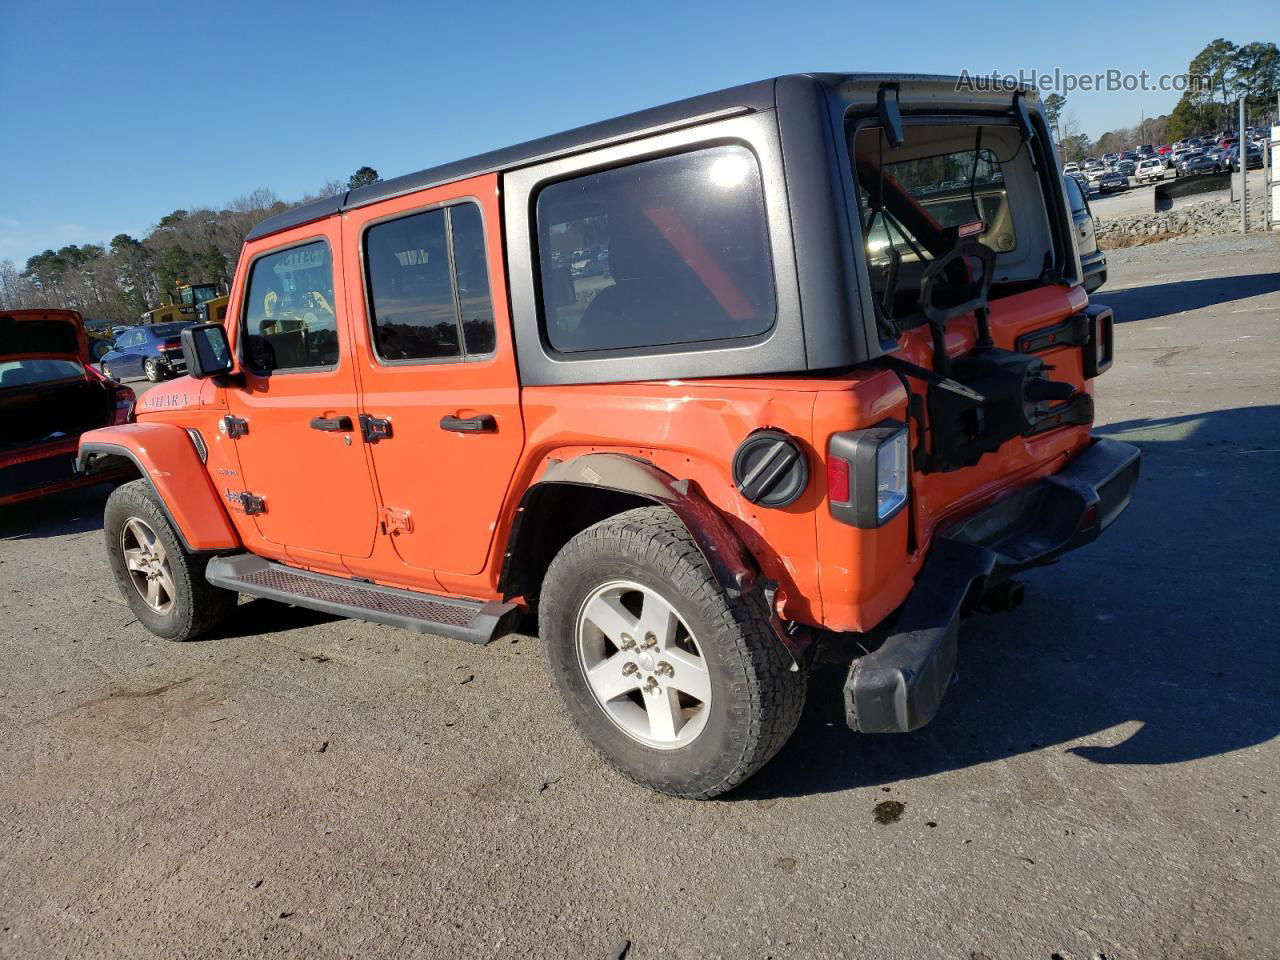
x=117, y=113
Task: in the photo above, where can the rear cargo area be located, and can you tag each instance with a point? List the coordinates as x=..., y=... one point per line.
x=30, y=415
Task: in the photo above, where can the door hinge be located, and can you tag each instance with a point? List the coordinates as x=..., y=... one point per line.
x=374, y=429
x=248, y=502
x=233, y=426
x=395, y=521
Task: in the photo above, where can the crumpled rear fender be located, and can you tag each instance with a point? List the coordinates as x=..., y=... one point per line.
x=166, y=456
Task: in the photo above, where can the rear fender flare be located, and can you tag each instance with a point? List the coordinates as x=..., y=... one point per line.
x=731, y=564
x=166, y=457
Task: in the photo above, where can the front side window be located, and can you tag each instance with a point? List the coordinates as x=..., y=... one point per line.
x=428, y=283
x=289, y=317
x=661, y=252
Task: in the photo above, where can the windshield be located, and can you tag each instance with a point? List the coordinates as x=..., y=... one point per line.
x=24, y=373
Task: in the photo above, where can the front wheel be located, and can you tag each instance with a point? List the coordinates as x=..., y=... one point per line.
x=162, y=581
x=678, y=686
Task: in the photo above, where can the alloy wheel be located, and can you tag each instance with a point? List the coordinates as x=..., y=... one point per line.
x=643, y=665
x=147, y=563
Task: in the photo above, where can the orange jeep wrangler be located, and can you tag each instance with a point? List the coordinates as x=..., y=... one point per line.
x=804, y=360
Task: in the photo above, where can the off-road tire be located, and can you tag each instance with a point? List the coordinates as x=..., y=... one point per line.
x=198, y=606
x=757, y=697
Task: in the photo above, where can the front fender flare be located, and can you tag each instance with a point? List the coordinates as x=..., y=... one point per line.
x=166, y=457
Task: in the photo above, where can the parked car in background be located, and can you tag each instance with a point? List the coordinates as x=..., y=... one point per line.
x=49, y=395
x=1126, y=167
x=1198, y=163
x=1253, y=157
x=1112, y=181
x=1150, y=169
x=1164, y=150
x=1092, y=260
x=1071, y=168
x=153, y=351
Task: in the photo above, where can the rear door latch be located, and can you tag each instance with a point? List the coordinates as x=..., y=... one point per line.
x=374, y=429
x=395, y=521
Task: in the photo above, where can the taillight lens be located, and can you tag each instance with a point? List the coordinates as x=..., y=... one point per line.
x=125, y=398
x=868, y=474
x=891, y=475
x=837, y=479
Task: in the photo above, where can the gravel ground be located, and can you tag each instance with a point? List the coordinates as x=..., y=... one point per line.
x=1102, y=781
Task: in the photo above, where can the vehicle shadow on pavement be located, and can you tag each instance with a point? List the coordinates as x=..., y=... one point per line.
x=63, y=514
x=258, y=616
x=1165, y=299
x=1155, y=645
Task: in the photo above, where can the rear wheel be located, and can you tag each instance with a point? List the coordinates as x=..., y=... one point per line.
x=152, y=370
x=162, y=581
x=677, y=686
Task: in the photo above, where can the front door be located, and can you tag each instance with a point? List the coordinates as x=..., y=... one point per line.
x=438, y=369
x=302, y=453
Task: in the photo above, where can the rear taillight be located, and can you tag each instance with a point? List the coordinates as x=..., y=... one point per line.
x=170, y=345
x=125, y=398
x=837, y=479
x=868, y=474
x=1100, y=348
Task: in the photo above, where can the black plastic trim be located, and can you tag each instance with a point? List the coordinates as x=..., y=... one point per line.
x=899, y=687
x=489, y=620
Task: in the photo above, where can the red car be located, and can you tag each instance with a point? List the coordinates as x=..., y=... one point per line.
x=49, y=395
x=1164, y=150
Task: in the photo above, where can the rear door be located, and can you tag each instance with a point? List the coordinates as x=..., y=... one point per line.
x=438, y=372
x=301, y=451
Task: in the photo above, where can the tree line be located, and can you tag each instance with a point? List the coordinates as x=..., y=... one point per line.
x=1217, y=77
x=118, y=281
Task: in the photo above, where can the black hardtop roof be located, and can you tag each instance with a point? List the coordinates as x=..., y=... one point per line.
x=750, y=97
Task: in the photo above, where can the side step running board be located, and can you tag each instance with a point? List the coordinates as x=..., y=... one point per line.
x=420, y=612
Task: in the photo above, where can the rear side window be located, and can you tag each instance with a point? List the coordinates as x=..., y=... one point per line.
x=662, y=252
x=429, y=286
x=289, y=316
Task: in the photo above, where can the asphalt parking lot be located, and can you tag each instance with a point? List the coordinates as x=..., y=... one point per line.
x=1101, y=782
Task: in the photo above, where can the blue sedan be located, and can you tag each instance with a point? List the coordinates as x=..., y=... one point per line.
x=153, y=351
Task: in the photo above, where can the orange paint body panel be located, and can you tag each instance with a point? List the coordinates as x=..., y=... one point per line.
x=167, y=457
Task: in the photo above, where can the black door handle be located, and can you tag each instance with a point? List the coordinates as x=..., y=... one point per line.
x=332, y=424
x=480, y=423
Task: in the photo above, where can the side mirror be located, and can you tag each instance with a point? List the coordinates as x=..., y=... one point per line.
x=207, y=351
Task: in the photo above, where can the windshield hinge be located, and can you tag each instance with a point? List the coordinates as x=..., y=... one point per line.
x=233, y=427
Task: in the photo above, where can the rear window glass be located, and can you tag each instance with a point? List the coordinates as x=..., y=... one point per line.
x=169, y=329
x=667, y=251
x=955, y=189
x=24, y=373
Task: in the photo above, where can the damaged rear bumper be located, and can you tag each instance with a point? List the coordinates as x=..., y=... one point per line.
x=899, y=687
